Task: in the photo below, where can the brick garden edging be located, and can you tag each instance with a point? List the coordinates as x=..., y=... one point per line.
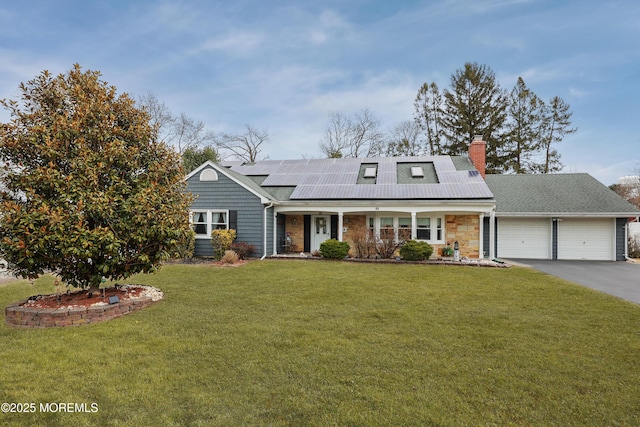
x=17, y=315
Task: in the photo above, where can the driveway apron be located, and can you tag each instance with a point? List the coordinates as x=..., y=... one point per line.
x=621, y=279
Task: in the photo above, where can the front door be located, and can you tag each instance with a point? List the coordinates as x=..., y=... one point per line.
x=320, y=230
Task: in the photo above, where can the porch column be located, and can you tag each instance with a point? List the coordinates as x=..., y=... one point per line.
x=414, y=226
x=481, y=237
x=492, y=235
x=340, y=226
x=275, y=233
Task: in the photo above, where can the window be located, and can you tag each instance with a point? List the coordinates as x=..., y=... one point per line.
x=438, y=229
x=219, y=221
x=404, y=228
x=430, y=229
x=200, y=222
x=424, y=228
x=417, y=172
x=386, y=228
x=204, y=222
x=370, y=172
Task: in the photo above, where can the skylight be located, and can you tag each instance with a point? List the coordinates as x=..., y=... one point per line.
x=417, y=172
x=370, y=172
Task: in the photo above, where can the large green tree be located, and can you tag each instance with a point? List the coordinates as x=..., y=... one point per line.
x=193, y=157
x=89, y=191
x=520, y=130
x=475, y=105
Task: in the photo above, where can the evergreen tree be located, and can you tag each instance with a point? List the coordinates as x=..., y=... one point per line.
x=193, y=157
x=475, y=105
x=89, y=191
x=518, y=127
x=522, y=137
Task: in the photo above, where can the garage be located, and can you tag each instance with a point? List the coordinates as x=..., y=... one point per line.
x=524, y=238
x=586, y=239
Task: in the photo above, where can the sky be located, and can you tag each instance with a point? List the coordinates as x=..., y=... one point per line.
x=285, y=66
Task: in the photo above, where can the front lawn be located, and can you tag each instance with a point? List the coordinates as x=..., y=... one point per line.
x=330, y=343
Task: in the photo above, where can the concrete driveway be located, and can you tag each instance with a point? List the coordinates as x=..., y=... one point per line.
x=621, y=279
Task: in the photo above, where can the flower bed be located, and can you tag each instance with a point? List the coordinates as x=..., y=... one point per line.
x=78, y=308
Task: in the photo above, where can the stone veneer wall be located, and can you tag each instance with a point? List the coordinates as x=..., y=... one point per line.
x=466, y=230
x=295, y=227
x=31, y=317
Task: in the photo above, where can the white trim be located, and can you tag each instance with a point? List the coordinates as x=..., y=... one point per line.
x=562, y=214
x=275, y=234
x=208, y=175
x=492, y=235
x=264, y=231
x=481, y=237
x=209, y=220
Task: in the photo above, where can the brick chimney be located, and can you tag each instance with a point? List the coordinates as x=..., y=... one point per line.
x=478, y=154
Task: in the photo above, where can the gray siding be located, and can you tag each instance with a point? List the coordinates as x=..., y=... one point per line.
x=486, y=236
x=229, y=195
x=621, y=243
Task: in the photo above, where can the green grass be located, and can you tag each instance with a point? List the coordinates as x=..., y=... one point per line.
x=331, y=343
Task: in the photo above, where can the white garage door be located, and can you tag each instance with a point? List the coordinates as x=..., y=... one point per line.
x=524, y=238
x=591, y=239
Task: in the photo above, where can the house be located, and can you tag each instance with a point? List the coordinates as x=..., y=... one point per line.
x=282, y=206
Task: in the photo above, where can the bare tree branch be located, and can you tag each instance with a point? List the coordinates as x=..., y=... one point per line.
x=359, y=136
x=245, y=146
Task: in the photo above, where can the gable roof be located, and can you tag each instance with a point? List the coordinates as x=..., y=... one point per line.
x=242, y=180
x=345, y=179
x=568, y=194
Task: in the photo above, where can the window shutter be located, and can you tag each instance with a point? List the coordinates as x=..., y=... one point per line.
x=233, y=220
x=334, y=227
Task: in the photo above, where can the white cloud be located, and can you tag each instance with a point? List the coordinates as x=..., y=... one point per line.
x=233, y=43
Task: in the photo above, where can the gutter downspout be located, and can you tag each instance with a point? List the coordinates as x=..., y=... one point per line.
x=264, y=227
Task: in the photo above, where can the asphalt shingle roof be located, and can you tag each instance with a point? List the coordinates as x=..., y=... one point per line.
x=577, y=193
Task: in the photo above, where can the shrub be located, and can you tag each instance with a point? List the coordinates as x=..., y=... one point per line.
x=386, y=245
x=364, y=243
x=414, y=250
x=185, y=248
x=88, y=191
x=447, y=251
x=244, y=250
x=333, y=249
x=221, y=241
x=230, y=257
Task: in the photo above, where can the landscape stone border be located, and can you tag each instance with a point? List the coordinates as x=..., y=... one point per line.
x=18, y=316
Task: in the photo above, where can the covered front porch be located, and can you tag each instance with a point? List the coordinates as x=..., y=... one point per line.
x=303, y=230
